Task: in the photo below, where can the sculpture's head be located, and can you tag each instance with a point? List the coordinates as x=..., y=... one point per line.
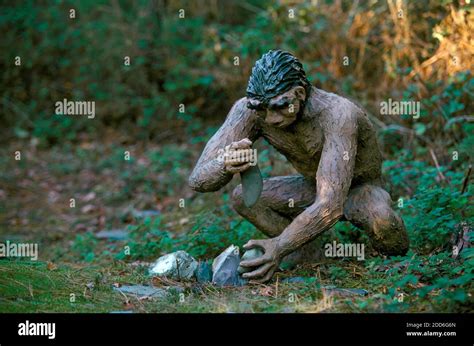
x=278, y=88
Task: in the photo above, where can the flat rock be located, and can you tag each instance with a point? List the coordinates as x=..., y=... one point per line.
x=141, y=214
x=345, y=292
x=113, y=234
x=176, y=265
x=252, y=185
x=249, y=255
x=142, y=291
x=225, y=267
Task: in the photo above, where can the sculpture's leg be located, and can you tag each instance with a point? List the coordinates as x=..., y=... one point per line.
x=369, y=208
x=282, y=199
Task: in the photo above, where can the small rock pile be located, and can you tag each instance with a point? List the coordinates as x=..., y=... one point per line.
x=224, y=271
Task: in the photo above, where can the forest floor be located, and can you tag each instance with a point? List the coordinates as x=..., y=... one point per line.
x=77, y=272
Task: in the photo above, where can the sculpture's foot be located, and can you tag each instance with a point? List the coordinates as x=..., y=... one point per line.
x=309, y=253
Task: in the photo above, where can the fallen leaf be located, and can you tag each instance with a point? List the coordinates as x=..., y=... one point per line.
x=51, y=266
x=266, y=291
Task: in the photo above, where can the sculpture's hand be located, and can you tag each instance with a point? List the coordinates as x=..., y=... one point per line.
x=244, y=161
x=267, y=263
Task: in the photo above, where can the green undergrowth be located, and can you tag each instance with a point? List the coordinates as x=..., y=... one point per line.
x=404, y=284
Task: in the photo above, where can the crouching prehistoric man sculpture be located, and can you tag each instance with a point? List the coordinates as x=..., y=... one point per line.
x=328, y=139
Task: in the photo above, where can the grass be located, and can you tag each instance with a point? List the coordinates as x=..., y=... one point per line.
x=42, y=287
x=32, y=287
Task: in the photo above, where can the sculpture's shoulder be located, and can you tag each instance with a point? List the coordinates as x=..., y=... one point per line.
x=240, y=112
x=241, y=120
x=332, y=110
x=321, y=100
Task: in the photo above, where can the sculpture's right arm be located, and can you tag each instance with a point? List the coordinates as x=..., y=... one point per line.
x=210, y=174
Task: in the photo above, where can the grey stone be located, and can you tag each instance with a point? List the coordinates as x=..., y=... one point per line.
x=252, y=185
x=249, y=255
x=141, y=214
x=345, y=292
x=225, y=266
x=142, y=291
x=176, y=265
x=204, y=272
x=113, y=234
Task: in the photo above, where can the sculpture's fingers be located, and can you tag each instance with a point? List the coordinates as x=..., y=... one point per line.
x=261, y=271
x=242, y=144
x=266, y=278
x=238, y=169
x=254, y=243
x=237, y=162
x=255, y=262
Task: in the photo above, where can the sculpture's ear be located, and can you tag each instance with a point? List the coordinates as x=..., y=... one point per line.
x=300, y=93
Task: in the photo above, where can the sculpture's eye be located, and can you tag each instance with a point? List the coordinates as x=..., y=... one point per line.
x=256, y=106
x=280, y=106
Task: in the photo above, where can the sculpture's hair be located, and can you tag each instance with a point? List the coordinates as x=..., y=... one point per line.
x=274, y=73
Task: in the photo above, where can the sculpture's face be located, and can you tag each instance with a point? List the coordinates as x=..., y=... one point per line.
x=282, y=110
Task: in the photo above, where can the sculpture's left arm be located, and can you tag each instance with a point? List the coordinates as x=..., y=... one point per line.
x=333, y=180
x=333, y=177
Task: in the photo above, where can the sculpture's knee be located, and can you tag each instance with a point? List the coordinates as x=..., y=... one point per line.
x=368, y=207
x=389, y=234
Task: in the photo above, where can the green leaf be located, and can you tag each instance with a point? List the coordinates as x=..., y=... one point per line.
x=420, y=128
